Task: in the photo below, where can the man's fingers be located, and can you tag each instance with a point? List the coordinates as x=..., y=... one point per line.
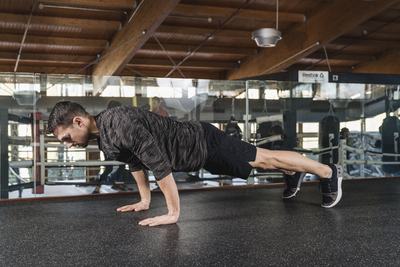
x=150, y=222
x=126, y=208
x=159, y=220
x=135, y=207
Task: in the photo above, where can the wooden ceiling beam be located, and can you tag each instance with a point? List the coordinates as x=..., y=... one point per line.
x=192, y=31
x=213, y=75
x=127, y=42
x=41, y=69
x=125, y=4
x=388, y=63
x=318, y=68
x=391, y=28
x=45, y=58
x=366, y=42
x=141, y=62
x=244, y=14
x=204, y=49
x=50, y=41
x=344, y=57
x=61, y=22
x=323, y=26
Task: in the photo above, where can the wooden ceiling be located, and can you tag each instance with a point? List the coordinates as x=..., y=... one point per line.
x=203, y=39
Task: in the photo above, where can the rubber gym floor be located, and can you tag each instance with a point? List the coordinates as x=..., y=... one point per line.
x=223, y=227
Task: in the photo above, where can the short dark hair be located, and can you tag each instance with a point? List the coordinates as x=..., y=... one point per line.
x=277, y=129
x=156, y=98
x=63, y=114
x=344, y=130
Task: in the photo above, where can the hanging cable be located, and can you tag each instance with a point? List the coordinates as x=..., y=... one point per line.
x=134, y=13
x=136, y=72
x=98, y=59
x=277, y=7
x=165, y=51
x=331, y=108
x=354, y=42
x=302, y=51
x=25, y=33
x=233, y=110
x=327, y=60
x=201, y=44
x=265, y=103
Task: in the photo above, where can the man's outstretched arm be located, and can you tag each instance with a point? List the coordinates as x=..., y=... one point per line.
x=168, y=187
x=142, y=181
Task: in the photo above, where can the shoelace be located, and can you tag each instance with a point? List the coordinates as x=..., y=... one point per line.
x=325, y=186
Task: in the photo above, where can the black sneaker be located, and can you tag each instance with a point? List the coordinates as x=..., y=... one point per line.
x=332, y=187
x=292, y=183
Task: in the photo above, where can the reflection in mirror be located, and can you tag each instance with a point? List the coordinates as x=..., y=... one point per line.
x=270, y=114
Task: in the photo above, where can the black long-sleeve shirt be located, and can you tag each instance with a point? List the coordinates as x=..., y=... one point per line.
x=146, y=140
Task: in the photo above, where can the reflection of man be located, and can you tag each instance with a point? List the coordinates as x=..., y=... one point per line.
x=345, y=134
x=109, y=168
x=157, y=107
x=276, y=130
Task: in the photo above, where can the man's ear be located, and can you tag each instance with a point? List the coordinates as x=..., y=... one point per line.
x=78, y=121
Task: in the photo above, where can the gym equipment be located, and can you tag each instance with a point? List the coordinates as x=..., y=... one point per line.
x=390, y=143
x=233, y=129
x=329, y=137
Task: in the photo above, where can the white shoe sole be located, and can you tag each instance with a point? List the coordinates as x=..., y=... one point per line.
x=298, y=186
x=294, y=194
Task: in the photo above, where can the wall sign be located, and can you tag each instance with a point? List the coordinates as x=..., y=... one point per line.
x=313, y=76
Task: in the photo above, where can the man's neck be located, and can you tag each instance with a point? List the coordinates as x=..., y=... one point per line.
x=93, y=130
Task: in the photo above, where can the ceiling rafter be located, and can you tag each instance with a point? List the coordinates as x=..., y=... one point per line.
x=246, y=13
x=213, y=75
x=50, y=41
x=198, y=64
x=35, y=57
x=367, y=42
x=331, y=21
x=67, y=39
x=204, y=49
x=61, y=22
x=388, y=63
x=152, y=14
x=392, y=28
x=124, y=4
x=193, y=31
x=345, y=57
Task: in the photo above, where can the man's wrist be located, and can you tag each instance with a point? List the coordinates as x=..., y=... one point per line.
x=145, y=201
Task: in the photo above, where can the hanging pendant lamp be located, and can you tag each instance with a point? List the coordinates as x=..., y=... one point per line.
x=267, y=37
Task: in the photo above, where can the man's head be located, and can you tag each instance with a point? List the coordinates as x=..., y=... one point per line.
x=345, y=132
x=276, y=130
x=70, y=123
x=156, y=102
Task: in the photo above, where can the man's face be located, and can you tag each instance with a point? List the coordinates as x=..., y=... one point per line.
x=156, y=105
x=76, y=135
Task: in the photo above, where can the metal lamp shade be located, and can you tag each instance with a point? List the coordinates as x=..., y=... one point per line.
x=266, y=37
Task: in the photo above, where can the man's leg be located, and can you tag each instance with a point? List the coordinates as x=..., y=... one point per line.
x=294, y=164
x=288, y=162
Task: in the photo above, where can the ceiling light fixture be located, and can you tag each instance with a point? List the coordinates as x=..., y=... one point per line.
x=268, y=37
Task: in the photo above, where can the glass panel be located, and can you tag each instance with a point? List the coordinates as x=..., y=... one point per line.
x=18, y=96
x=270, y=114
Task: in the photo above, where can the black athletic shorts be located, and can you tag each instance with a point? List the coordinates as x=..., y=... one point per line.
x=226, y=154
